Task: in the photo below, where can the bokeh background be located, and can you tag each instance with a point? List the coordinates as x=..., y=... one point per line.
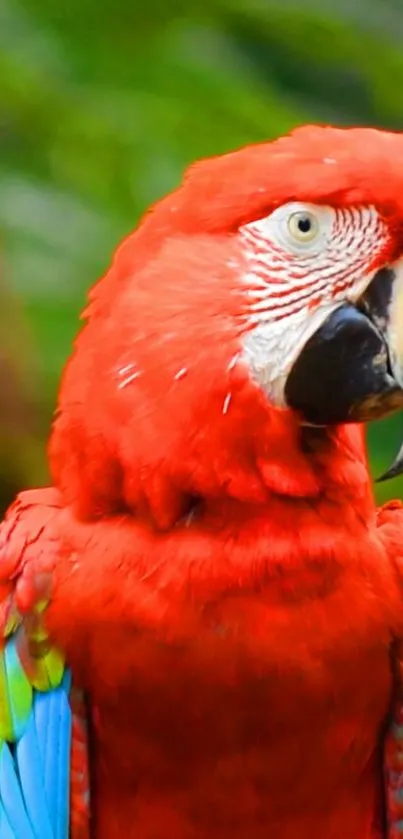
x=103, y=104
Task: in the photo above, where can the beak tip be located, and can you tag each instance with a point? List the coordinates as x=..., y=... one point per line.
x=394, y=471
x=386, y=476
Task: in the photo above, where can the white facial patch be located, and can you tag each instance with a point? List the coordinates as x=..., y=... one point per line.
x=392, y=330
x=303, y=261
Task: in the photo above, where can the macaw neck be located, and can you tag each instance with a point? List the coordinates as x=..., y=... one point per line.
x=319, y=513
x=304, y=468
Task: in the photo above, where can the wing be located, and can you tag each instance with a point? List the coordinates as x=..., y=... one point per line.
x=390, y=522
x=44, y=786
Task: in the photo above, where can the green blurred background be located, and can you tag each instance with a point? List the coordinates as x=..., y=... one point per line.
x=102, y=105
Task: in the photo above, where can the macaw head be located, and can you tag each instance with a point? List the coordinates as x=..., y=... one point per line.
x=258, y=303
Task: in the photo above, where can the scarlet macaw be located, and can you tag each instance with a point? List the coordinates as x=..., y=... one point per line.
x=210, y=562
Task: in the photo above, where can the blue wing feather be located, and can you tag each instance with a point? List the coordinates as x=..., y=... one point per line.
x=6, y=831
x=32, y=782
x=11, y=797
x=52, y=756
x=35, y=766
x=63, y=788
x=41, y=714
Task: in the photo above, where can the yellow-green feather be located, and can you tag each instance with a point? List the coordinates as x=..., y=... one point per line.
x=6, y=719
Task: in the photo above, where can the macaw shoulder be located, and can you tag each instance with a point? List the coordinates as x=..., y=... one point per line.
x=39, y=709
x=27, y=545
x=390, y=530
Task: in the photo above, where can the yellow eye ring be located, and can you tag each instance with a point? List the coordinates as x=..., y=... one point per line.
x=303, y=226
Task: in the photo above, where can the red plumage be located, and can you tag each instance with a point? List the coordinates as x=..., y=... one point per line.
x=222, y=587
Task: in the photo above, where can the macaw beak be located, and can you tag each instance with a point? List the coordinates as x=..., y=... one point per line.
x=351, y=369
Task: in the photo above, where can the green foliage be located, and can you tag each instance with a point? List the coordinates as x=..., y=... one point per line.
x=103, y=105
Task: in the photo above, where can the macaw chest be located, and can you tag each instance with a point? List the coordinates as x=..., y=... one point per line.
x=265, y=681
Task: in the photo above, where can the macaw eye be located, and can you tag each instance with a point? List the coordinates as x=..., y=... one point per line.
x=300, y=229
x=303, y=226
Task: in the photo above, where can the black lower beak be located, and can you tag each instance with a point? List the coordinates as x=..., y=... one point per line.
x=344, y=372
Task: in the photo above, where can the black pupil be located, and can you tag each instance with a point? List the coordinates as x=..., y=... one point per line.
x=304, y=224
